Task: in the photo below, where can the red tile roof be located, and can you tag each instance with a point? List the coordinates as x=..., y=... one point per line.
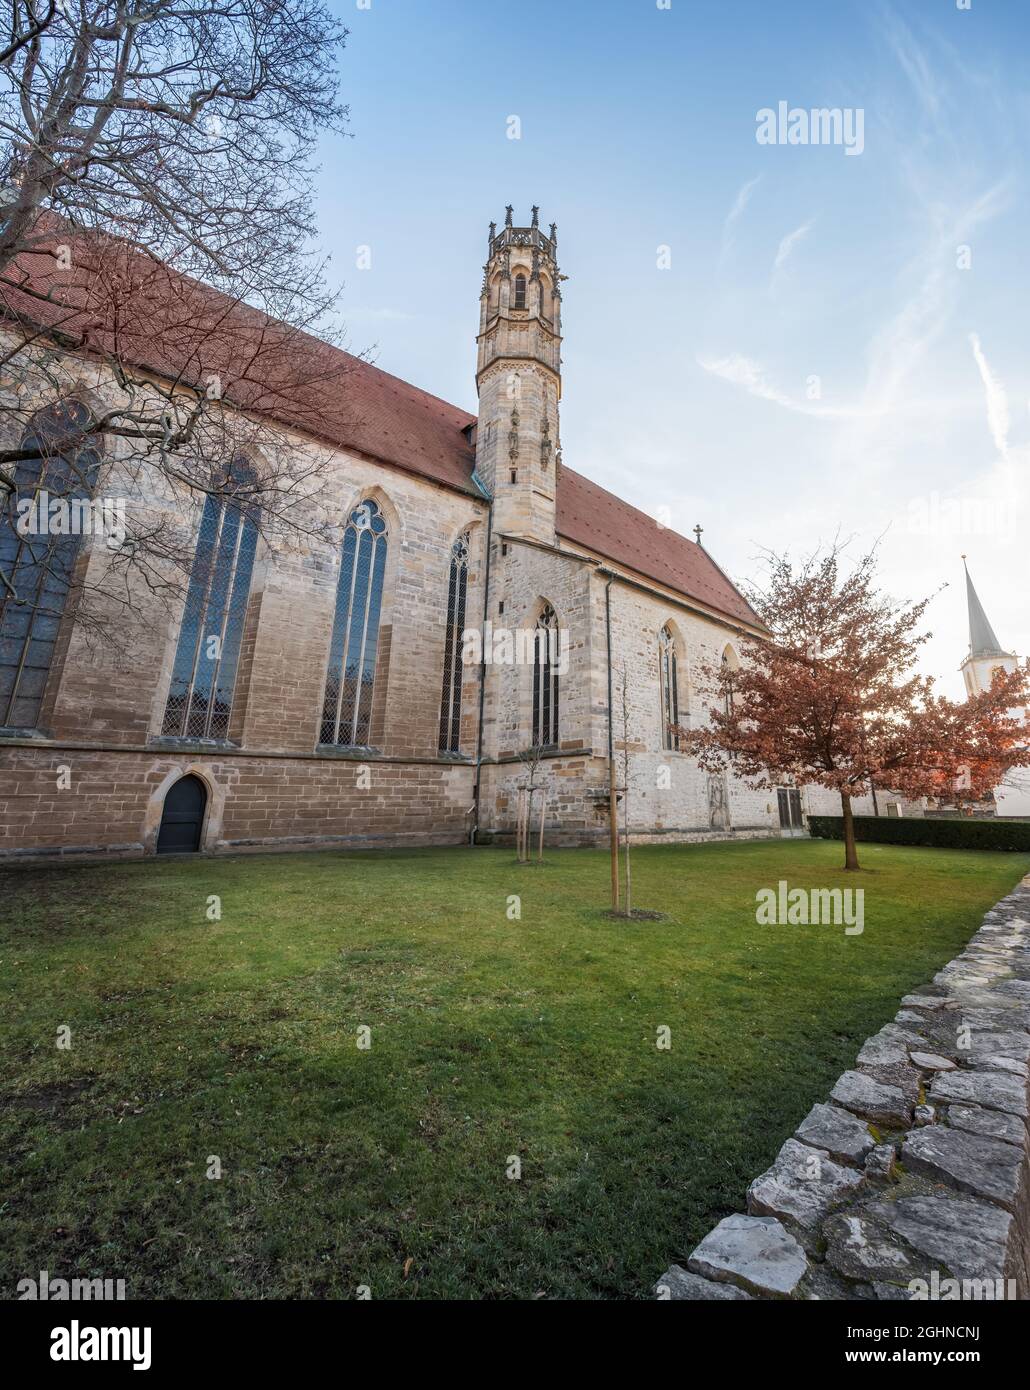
x=155, y=319
x=181, y=329
x=604, y=523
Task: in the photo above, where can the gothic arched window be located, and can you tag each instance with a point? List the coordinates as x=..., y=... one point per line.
x=730, y=664
x=38, y=551
x=349, y=683
x=669, y=680
x=208, y=652
x=450, y=701
x=545, y=680
x=519, y=301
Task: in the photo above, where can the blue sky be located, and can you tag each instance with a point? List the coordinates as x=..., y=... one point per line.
x=840, y=342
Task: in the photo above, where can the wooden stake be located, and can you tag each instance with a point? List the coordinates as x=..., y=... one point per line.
x=613, y=832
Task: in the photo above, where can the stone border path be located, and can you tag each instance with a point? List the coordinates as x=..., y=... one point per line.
x=916, y=1168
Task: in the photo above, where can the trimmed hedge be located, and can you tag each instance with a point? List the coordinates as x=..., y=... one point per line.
x=928, y=830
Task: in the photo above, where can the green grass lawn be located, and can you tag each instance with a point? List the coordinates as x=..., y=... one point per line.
x=490, y=1037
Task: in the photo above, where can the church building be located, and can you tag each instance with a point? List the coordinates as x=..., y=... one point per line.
x=485, y=600
x=985, y=656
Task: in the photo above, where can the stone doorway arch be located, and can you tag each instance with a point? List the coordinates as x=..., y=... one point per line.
x=182, y=819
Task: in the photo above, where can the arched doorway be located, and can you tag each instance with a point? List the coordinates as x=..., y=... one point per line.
x=183, y=817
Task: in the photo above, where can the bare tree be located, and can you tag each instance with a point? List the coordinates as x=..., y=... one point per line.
x=155, y=223
x=185, y=129
x=530, y=759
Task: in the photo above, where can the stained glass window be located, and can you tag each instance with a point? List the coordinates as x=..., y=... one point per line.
x=670, y=688
x=450, y=702
x=350, y=681
x=37, y=566
x=208, y=653
x=520, y=292
x=545, y=681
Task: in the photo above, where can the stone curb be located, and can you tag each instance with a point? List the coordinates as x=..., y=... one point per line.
x=913, y=1180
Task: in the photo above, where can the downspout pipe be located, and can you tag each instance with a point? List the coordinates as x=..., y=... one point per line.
x=608, y=635
x=482, y=673
x=612, y=794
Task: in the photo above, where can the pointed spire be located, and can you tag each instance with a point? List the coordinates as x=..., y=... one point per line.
x=982, y=641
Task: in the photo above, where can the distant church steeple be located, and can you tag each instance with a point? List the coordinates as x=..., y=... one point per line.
x=518, y=376
x=985, y=654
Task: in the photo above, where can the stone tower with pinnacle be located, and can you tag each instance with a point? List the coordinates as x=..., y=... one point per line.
x=518, y=377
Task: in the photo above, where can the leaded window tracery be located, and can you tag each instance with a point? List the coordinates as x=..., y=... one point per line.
x=450, y=702
x=669, y=679
x=207, y=655
x=545, y=680
x=37, y=562
x=350, y=680
x=730, y=664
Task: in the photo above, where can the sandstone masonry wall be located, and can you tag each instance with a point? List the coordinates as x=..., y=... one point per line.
x=84, y=782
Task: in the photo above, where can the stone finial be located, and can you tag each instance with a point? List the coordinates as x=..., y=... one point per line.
x=554, y=233
x=507, y=215
x=536, y=216
x=493, y=233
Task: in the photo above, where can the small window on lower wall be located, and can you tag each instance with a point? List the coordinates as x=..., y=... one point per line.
x=789, y=805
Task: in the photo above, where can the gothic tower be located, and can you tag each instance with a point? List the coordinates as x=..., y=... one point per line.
x=518, y=376
x=985, y=655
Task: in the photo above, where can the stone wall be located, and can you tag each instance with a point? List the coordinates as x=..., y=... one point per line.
x=670, y=797
x=83, y=782
x=71, y=802
x=911, y=1181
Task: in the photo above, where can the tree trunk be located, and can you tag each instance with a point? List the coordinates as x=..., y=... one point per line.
x=850, y=850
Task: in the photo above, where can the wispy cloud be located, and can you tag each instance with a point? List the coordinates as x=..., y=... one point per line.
x=996, y=399
x=745, y=372
x=900, y=346
x=736, y=212
x=788, y=243
x=912, y=59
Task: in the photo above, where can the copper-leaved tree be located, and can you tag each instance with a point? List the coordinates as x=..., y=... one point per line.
x=830, y=696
